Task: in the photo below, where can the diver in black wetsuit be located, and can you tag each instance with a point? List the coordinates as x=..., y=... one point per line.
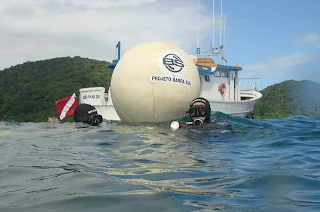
x=87, y=114
x=199, y=114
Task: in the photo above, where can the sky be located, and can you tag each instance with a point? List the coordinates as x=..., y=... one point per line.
x=273, y=40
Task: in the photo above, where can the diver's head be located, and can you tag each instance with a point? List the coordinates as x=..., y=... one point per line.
x=200, y=111
x=88, y=114
x=94, y=119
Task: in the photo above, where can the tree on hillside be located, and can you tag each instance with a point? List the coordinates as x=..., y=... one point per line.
x=28, y=91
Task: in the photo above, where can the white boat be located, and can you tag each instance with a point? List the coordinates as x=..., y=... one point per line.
x=220, y=85
x=102, y=101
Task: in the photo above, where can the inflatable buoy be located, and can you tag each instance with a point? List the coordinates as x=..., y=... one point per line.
x=154, y=82
x=222, y=88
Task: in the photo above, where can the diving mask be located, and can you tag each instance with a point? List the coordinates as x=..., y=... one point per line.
x=95, y=119
x=197, y=111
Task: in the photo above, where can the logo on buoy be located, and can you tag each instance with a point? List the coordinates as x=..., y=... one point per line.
x=173, y=66
x=173, y=63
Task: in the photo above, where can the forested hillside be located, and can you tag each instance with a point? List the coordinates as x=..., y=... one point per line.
x=289, y=98
x=28, y=91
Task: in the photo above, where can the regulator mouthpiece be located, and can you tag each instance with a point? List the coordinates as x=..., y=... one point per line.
x=198, y=122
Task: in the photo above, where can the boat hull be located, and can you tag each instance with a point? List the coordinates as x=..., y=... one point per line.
x=108, y=112
x=237, y=108
x=234, y=108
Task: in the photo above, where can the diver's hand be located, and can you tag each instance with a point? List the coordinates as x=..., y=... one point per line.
x=175, y=125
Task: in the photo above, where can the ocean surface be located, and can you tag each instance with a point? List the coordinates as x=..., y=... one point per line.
x=251, y=165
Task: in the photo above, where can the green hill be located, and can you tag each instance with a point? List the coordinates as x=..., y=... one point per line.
x=289, y=98
x=28, y=91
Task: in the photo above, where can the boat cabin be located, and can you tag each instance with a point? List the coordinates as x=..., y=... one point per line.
x=95, y=96
x=218, y=82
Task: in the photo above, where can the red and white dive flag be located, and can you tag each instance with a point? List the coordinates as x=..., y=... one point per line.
x=66, y=105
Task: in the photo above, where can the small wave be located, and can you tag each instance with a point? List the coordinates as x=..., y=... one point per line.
x=50, y=167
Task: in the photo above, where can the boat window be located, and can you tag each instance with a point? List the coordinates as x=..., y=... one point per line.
x=206, y=78
x=224, y=73
x=217, y=73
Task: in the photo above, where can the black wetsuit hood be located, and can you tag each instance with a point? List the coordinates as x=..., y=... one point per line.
x=88, y=114
x=207, y=106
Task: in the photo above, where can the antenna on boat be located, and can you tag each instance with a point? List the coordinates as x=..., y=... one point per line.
x=220, y=22
x=212, y=42
x=213, y=51
x=198, y=48
x=222, y=43
x=224, y=30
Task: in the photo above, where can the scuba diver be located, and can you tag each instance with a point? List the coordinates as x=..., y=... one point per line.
x=87, y=114
x=199, y=114
x=200, y=111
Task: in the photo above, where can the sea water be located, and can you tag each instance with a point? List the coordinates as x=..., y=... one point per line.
x=252, y=165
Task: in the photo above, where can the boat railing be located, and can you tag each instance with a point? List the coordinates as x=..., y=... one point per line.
x=249, y=84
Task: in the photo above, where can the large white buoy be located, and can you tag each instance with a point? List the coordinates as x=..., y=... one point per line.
x=154, y=82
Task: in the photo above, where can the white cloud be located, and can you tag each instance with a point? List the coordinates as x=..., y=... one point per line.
x=312, y=39
x=36, y=30
x=278, y=66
